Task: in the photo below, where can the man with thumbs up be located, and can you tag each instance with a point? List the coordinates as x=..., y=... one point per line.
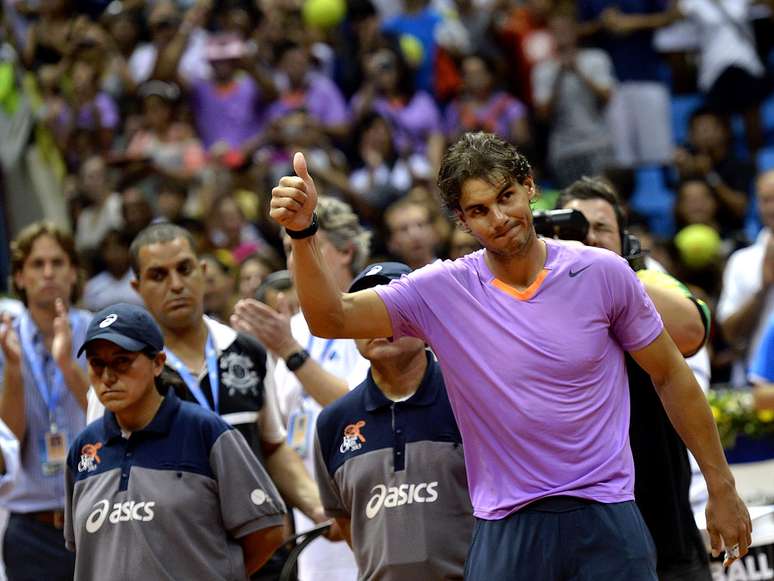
x=313, y=372
x=531, y=335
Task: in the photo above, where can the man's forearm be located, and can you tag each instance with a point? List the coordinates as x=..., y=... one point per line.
x=690, y=414
x=12, y=401
x=738, y=327
x=289, y=474
x=323, y=386
x=318, y=293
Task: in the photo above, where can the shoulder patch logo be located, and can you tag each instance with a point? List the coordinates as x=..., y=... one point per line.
x=258, y=497
x=89, y=457
x=238, y=375
x=353, y=439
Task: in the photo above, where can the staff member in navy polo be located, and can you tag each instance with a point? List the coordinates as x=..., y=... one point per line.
x=42, y=398
x=160, y=489
x=389, y=461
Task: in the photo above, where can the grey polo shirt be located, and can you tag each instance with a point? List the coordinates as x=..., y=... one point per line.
x=397, y=470
x=170, y=502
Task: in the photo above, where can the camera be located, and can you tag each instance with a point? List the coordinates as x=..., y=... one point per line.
x=572, y=225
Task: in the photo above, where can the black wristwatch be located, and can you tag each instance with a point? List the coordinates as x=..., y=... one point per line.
x=310, y=230
x=294, y=361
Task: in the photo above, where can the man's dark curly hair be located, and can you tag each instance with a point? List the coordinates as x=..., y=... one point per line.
x=481, y=156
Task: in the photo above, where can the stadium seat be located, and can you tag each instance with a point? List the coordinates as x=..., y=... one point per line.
x=653, y=199
x=767, y=119
x=682, y=107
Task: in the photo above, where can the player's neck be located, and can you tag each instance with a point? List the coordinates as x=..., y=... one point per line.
x=141, y=413
x=400, y=377
x=520, y=270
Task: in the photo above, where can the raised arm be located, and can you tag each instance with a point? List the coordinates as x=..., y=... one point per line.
x=728, y=521
x=329, y=312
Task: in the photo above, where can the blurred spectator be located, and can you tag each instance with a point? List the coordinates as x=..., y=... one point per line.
x=697, y=203
x=276, y=288
x=413, y=115
x=49, y=36
x=135, y=210
x=303, y=89
x=640, y=108
x=104, y=210
x=171, y=201
x=165, y=145
x=252, y=272
x=415, y=26
x=411, y=237
x=230, y=108
x=730, y=72
x=219, y=286
x=708, y=155
x=747, y=300
x=229, y=229
x=482, y=107
x=113, y=281
x=460, y=243
x=123, y=26
x=571, y=92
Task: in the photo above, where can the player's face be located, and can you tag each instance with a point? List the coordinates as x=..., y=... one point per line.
x=121, y=379
x=603, y=227
x=47, y=274
x=499, y=216
x=171, y=283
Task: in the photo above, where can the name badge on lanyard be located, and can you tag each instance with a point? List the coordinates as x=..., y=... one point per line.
x=54, y=443
x=211, y=357
x=301, y=420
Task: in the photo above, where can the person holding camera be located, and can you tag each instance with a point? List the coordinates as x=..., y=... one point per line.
x=662, y=471
x=531, y=335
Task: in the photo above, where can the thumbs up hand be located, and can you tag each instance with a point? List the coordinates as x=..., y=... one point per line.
x=294, y=199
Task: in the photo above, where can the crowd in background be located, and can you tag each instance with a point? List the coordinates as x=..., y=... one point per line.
x=117, y=114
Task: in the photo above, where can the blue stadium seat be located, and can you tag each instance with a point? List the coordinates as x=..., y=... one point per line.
x=766, y=158
x=767, y=119
x=682, y=107
x=654, y=200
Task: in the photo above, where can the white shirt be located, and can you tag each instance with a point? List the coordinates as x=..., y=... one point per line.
x=272, y=427
x=103, y=290
x=721, y=42
x=321, y=560
x=742, y=278
x=9, y=448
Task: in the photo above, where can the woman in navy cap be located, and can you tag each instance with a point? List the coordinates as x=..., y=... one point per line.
x=158, y=488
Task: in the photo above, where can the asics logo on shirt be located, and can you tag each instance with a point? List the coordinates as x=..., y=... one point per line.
x=122, y=512
x=574, y=273
x=394, y=496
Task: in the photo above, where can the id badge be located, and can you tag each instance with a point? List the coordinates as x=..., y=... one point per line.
x=54, y=452
x=299, y=432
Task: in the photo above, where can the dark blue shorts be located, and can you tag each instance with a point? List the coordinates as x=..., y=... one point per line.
x=564, y=539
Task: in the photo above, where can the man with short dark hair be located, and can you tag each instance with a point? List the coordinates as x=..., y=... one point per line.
x=531, y=335
x=389, y=461
x=411, y=236
x=43, y=397
x=661, y=464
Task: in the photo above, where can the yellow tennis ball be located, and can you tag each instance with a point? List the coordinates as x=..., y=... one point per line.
x=412, y=49
x=324, y=13
x=698, y=245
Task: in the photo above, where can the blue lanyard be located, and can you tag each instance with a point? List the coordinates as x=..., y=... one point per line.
x=326, y=349
x=192, y=382
x=50, y=392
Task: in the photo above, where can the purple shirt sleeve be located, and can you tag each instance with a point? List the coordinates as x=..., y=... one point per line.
x=404, y=300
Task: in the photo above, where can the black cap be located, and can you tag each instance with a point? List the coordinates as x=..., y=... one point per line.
x=379, y=273
x=130, y=327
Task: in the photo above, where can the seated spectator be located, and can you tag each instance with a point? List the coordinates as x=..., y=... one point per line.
x=104, y=210
x=413, y=115
x=252, y=272
x=277, y=291
x=481, y=107
x=166, y=145
x=708, y=155
x=730, y=73
x=230, y=108
x=411, y=237
x=113, y=281
x=219, y=285
x=460, y=243
x=48, y=38
x=171, y=201
x=229, y=229
x=135, y=210
x=571, y=91
x=301, y=88
x=697, y=203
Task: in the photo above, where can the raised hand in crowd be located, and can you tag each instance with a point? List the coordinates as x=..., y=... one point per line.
x=9, y=341
x=271, y=327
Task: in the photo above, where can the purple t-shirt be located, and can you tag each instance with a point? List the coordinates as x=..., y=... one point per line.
x=232, y=115
x=322, y=100
x=536, y=378
x=496, y=116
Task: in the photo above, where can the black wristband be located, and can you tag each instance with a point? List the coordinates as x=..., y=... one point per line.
x=310, y=230
x=294, y=361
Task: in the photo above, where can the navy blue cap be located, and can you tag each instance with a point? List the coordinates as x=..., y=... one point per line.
x=379, y=273
x=131, y=327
